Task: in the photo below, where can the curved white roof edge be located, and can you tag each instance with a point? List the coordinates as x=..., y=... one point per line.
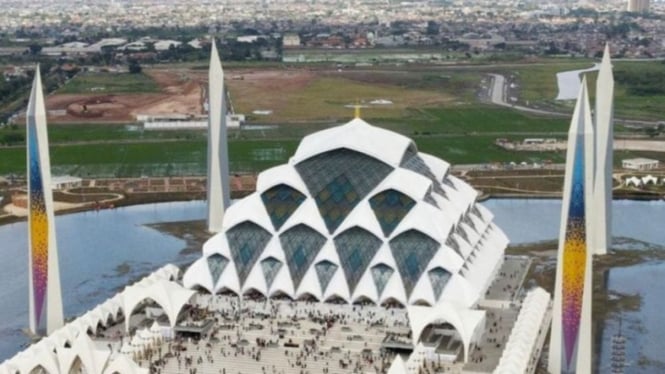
x=398, y=366
x=307, y=213
x=448, y=260
x=363, y=217
x=469, y=192
x=247, y=209
x=310, y=284
x=356, y=135
x=438, y=166
x=169, y=295
x=338, y=286
x=464, y=320
x=426, y=219
x=217, y=244
x=281, y=174
x=394, y=290
x=282, y=282
x=256, y=280
x=459, y=291
x=198, y=274
x=422, y=291
x=229, y=279
x=416, y=188
x=365, y=288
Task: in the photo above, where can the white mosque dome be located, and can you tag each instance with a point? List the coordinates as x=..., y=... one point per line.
x=359, y=215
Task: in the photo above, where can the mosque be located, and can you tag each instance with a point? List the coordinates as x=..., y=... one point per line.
x=361, y=254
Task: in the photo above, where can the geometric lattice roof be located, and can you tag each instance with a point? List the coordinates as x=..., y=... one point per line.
x=325, y=271
x=390, y=207
x=356, y=248
x=280, y=202
x=301, y=244
x=339, y=179
x=412, y=251
x=415, y=163
x=381, y=274
x=246, y=242
x=216, y=265
x=438, y=277
x=270, y=267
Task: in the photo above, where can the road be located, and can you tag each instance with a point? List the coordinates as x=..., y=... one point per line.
x=497, y=95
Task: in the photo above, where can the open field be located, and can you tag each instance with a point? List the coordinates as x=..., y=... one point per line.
x=538, y=85
x=109, y=83
x=155, y=92
x=435, y=105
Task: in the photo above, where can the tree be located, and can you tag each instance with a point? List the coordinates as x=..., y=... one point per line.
x=134, y=67
x=35, y=49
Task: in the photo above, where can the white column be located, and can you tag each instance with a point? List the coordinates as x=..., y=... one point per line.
x=218, y=155
x=45, y=299
x=604, y=128
x=570, y=340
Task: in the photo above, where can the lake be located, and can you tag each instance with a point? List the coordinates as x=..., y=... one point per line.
x=123, y=248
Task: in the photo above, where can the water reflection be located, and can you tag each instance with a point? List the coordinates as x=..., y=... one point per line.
x=102, y=251
x=99, y=253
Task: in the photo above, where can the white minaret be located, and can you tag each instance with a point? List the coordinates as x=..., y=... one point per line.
x=45, y=297
x=570, y=340
x=604, y=128
x=218, y=153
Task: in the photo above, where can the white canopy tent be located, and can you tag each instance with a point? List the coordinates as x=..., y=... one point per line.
x=169, y=295
x=123, y=364
x=633, y=181
x=516, y=357
x=466, y=322
x=398, y=366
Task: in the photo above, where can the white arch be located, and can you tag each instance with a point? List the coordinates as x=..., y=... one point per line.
x=465, y=321
x=281, y=174
x=169, y=295
x=354, y=135
x=199, y=274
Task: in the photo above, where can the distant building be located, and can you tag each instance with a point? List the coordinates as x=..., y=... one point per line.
x=639, y=164
x=291, y=41
x=638, y=6
x=64, y=182
x=164, y=45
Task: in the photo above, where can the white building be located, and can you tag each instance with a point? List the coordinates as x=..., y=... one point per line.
x=62, y=182
x=351, y=220
x=291, y=40
x=637, y=6
x=639, y=163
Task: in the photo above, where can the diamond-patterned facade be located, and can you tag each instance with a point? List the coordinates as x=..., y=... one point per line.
x=246, y=242
x=381, y=274
x=280, y=202
x=325, y=270
x=270, y=267
x=356, y=247
x=216, y=264
x=412, y=251
x=390, y=207
x=339, y=179
x=301, y=244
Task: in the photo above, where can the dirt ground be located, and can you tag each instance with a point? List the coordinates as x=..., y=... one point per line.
x=263, y=85
x=181, y=93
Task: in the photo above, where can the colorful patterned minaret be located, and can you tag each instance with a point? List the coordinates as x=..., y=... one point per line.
x=218, y=154
x=44, y=274
x=604, y=130
x=570, y=341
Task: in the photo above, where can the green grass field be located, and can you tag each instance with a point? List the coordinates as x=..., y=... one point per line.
x=111, y=83
x=188, y=157
x=539, y=86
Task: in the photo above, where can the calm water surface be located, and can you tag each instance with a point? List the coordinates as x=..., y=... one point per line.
x=92, y=247
x=95, y=246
